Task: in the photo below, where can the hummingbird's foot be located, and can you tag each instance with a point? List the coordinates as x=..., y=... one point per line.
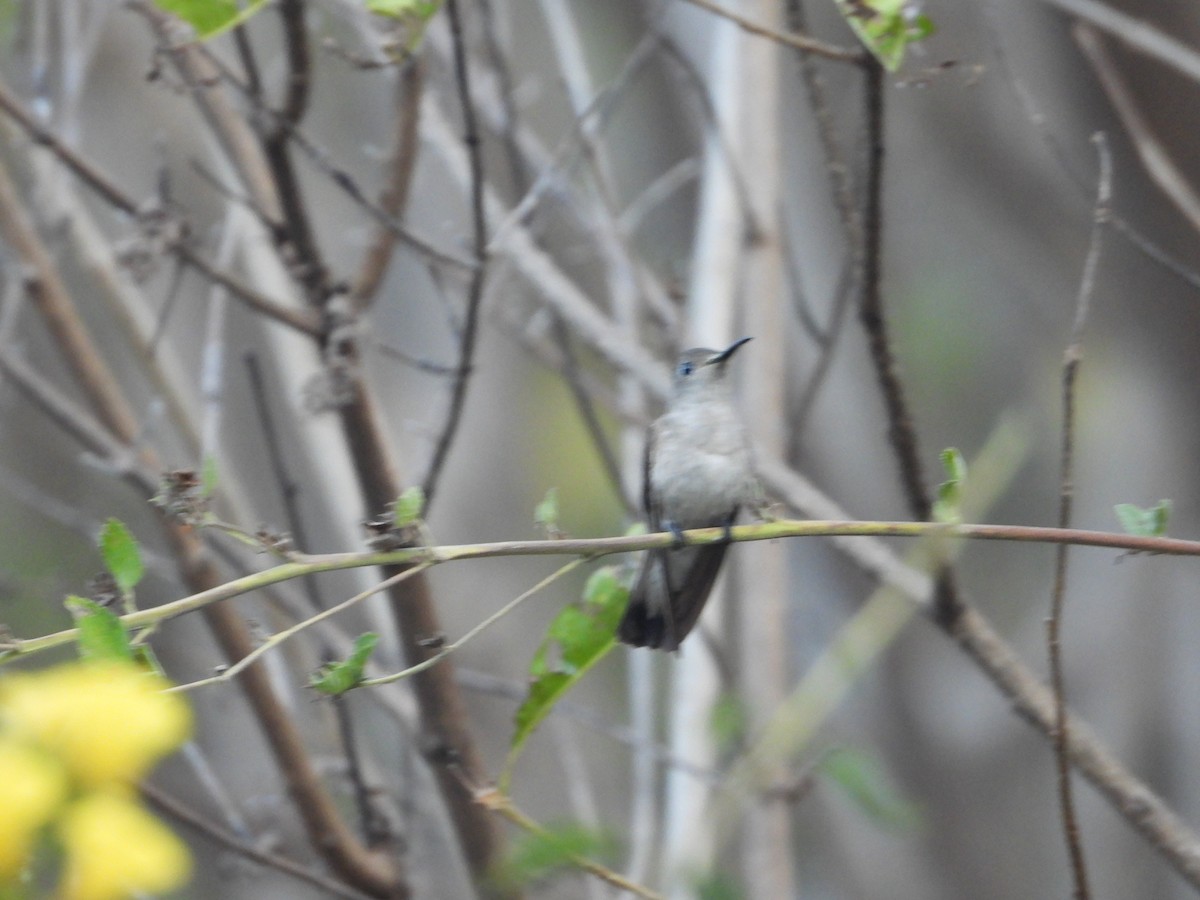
x=676, y=532
x=727, y=526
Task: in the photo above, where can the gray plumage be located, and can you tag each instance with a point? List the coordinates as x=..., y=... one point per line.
x=698, y=473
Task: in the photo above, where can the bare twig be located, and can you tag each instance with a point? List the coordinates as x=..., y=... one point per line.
x=1071, y=361
x=900, y=426
x=401, y=163
x=280, y=637
x=591, y=421
x=180, y=812
x=1158, y=164
x=721, y=139
x=1136, y=33
x=101, y=184
x=296, y=225
x=76, y=421
x=341, y=178
x=479, y=628
x=849, y=211
x=788, y=38
x=458, y=393
x=1153, y=251
x=59, y=311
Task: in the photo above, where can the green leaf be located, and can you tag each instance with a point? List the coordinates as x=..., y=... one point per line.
x=545, y=514
x=413, y=15
x=1140, y=522
x=101, y=634
x=339, y=677
x=576, y=639
x=886, y=27
x=121, y=555
x=211, y=17
x=408, y=507
x=864, y=781
x=404, y=9
x=537, y=854
x=948, y=505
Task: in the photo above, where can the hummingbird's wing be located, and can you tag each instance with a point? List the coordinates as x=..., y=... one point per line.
x=669, y=595
x=650, y=501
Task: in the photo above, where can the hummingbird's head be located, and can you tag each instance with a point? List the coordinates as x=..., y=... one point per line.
x=701, y=366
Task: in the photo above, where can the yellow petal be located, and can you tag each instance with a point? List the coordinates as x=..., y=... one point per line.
x=108, y=721
x=32, y=786
x=114, y=848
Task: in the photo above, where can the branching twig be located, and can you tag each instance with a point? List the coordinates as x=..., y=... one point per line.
x=466, y=358
x=402, y=162
x=478, y=629
x=342, y=178
x=280, y=636
x=1187, y=274
x=296, y=226
x=101, y=184
x=1157, y=162
x=1071, y=361
x=1136, y=33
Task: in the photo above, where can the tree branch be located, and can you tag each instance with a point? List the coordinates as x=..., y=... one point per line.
x=301, y=564
x=1071, y=361
x=794, y=39
x=466, y=355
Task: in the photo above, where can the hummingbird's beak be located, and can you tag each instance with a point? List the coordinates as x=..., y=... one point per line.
x=728, y=351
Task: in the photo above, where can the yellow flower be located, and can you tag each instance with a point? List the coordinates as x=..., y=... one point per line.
x=107, y=721
x=114, y=849
x=32, y=786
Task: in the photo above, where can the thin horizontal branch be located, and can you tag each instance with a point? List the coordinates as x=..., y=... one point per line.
x=793, y=39
x=302, y=565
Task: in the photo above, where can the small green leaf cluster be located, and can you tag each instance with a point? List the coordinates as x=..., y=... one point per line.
x=338, y=677
x=102, y=636
x=409, y=507
x=413, y=17
x=545, y=515
x=1150, y=522
x=948, y=505
x=886, y=27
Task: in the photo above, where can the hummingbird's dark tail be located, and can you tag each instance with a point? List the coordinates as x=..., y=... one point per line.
x=669, y=595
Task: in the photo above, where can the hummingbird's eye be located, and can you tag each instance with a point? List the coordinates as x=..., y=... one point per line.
x=686, y=368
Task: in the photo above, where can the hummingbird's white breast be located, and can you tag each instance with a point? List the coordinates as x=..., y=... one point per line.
x=700, y=464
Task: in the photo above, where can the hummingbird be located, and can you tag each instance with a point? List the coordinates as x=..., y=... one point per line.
x=698, y=472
